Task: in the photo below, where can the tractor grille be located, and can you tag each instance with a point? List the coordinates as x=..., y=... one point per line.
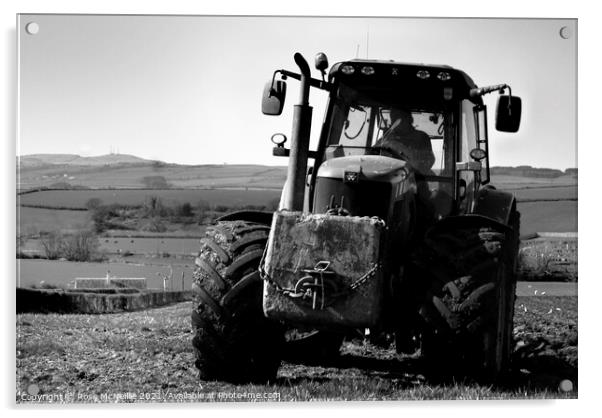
x=364, y=198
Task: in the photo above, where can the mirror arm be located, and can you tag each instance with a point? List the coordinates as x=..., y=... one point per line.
x=322, y=85
x=280, y=151
x=476, y=92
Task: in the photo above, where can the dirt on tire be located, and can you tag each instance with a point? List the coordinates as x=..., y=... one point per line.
x=233, y=341
x=469, y=269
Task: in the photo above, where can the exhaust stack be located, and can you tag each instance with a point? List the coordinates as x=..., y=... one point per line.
x=297, y=165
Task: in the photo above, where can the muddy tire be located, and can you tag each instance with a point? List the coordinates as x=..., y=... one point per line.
x=233, y=341
x=467, y=268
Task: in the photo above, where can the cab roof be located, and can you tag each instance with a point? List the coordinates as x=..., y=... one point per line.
x=381, y=72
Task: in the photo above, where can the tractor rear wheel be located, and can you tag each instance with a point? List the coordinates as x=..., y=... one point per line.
x=233, y=341
x=469, y=265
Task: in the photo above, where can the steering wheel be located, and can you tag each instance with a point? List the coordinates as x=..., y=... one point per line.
x=378, y=149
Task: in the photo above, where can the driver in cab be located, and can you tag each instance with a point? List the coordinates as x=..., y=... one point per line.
x=408, y=143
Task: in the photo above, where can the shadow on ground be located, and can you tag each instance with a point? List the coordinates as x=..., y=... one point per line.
x=534, y=368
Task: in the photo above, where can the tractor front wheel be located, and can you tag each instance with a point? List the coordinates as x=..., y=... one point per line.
x=233, y=341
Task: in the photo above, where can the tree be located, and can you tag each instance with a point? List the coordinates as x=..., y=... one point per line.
x=184, y=210
x=100, y=217
x=52, y=244
x=155, y=224
x=81, y=246
x=157, y=165
x=93, y=203
x=155, y=182
x=153, y=206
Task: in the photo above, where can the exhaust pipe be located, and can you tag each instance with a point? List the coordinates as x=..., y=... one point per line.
x=297, y=164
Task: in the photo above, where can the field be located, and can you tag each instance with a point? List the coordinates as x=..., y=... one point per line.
x=34, y=220
x=544, y=193
x=149, y=354
x=135, y=248
x=159, y=246
x=78, y=198
x=543, y=208
x=548, y=216
x=546, y=259
x=505, y=181
x=132, y=175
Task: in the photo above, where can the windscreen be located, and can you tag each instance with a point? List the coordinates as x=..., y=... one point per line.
x=385, y=124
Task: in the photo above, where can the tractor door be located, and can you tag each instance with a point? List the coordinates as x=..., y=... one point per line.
x=467, y=183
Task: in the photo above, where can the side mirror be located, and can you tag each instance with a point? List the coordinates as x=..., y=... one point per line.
x=507, y=113
x=274, y=94
x=321, y=62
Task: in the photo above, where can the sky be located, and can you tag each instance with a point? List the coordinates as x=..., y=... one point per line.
x=187, y=89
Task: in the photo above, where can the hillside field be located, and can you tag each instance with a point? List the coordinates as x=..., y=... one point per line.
x=543, y=208
x=132, y=175
x=546, y=216
x=212, y=197
x=543, y=193
x=119, y=171
x=31, y=221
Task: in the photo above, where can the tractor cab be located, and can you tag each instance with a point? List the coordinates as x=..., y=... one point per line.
x=368, y=126
x=367, y=152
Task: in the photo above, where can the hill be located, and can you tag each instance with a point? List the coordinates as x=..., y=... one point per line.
x=128, y=171
x=533, y=172
x=150, y=175
x=44, y=160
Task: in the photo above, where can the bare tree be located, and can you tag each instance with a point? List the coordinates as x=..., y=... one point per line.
x=52, y=243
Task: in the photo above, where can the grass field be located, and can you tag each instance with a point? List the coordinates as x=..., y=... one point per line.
x=149, y=354
x=548, y=216
x=130, y=176
x=78, y=198
x=169, y=246
x=202, y=176
x=544, y=193
x=35, y=220
x=239, y=196
x=539, y=260
x=537, y=216
x=504, y=181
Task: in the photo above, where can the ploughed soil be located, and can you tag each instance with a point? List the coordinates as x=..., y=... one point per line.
x=548, y=259
x=147, y=356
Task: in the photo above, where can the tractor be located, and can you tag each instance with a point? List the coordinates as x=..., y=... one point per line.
x=410, y=241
